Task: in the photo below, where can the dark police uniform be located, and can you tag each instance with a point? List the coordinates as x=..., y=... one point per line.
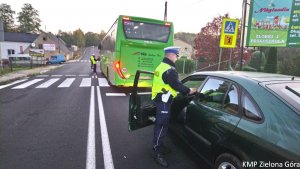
x=165, y=80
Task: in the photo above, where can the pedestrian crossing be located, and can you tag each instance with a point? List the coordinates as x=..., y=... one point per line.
x=57, y=82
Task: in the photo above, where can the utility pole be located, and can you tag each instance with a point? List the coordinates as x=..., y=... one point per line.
x=243, y=33
x=166, y=11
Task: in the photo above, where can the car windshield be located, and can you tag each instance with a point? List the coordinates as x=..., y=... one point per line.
x=289, y=92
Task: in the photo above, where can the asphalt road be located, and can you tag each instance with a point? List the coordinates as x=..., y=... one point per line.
x=52, y=121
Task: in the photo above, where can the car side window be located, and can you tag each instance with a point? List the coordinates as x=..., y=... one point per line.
x=193, y=81
x=214, y=92
x=250, y=111
x=231, y=103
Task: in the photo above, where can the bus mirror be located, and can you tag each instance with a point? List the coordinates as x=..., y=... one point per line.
x=99, y=46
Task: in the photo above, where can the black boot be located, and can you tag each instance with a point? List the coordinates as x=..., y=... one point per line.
x=161, y=160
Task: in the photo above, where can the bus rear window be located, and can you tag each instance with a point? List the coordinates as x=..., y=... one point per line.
x=289, y=92
x=146, y=31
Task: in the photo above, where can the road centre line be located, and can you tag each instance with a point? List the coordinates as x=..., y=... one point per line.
x=91, y=148
x=70, y=75
x=10, y=84
x=108, y=161
x=83, y=75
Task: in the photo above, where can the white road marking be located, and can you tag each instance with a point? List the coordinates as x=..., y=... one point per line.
x=83, y=75
x=24, y=85
x=70, y=75
x=108, y=161
x=115, y=94
x=42, y=75
x=67, y=82
x=48, y=83
x=91, y=148
x=56, y=75
x=103, y=82
x=10, y=84
x=86, y=82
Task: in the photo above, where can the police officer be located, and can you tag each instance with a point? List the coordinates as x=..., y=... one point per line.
x=164, y=89
x=93, y=63
x=91, y=59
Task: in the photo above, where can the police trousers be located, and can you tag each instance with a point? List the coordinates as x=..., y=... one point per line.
x=161, y=124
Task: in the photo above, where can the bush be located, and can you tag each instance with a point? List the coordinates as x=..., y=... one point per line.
x=189, y=65
x=271, y=65
x=249, y=69
x=257, y=60
x=290, y=65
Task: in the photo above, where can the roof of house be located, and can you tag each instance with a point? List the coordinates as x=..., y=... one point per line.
x=19, y=37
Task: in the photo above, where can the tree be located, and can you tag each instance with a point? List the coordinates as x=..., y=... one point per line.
x=67, y=37
x=79, y=39
x=186, y=37
x=29, y=19
x=207, y=45
x=257, y=60
x=271, y=65
x=6, y=16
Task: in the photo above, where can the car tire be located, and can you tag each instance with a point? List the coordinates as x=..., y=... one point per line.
x=229, y=161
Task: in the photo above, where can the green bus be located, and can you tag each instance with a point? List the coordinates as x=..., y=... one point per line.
x=131, y=44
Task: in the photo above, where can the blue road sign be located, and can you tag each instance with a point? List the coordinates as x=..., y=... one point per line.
x=230, y=27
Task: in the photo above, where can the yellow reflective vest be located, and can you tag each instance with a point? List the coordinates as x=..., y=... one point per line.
x=159, y=84
x=93, y=60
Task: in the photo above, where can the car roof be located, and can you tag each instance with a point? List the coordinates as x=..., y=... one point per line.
x=255, y=77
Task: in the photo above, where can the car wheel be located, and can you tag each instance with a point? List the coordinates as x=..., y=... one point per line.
x=228, y=161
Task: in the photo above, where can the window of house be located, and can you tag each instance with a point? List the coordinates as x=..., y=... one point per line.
x=10, y=51
x=40, y=46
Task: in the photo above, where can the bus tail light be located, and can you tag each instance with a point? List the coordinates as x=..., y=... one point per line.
x=126, y=18
x=118, y=68
x=167, y=24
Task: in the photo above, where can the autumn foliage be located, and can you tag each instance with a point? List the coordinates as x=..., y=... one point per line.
x=207, y=46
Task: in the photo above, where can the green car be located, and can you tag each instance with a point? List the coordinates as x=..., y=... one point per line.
x=236, y=120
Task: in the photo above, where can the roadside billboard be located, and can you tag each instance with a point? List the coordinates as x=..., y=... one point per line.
x=37, y=52
x=274, y=23
x=49, y=47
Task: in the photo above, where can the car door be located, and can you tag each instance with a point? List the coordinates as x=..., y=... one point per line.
x=213, y=115
x=141, y=108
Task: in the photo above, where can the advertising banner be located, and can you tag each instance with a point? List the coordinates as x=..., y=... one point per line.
x=274, y=23
x=37, y=52
x=49, y=47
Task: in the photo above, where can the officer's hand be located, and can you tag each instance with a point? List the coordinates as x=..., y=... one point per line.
x=193, y=90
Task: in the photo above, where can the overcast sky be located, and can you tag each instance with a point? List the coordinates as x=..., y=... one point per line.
x=97, y=15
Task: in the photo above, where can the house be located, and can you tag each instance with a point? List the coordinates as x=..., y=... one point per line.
x=186, y=49
x=13, y=43
x=51, y=44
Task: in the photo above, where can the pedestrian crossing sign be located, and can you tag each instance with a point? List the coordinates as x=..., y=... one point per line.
x=229, y=33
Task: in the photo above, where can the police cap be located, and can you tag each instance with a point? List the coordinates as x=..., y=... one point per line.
x=172, y=49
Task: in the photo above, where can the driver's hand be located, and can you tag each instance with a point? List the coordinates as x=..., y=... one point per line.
x=193, y=90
